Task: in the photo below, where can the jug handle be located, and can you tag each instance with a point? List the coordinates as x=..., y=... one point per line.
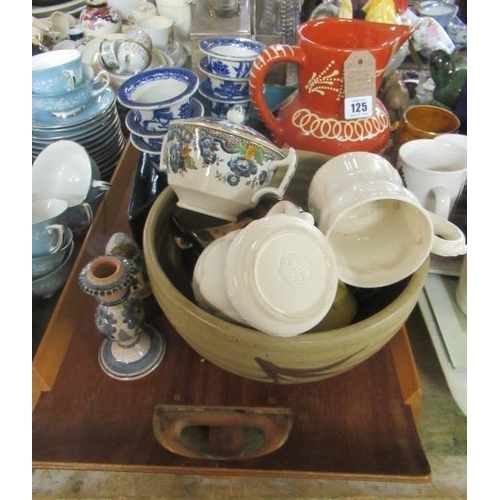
x=262, y=64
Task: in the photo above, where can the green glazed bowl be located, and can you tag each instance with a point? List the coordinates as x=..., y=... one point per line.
x=243, y=351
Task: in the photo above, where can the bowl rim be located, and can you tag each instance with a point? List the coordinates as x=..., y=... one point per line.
x=134, y=82
x=206, y=45
x=363, y=328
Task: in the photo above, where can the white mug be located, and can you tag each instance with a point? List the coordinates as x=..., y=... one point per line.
x=160, y=29
x=379, y=231
x=434, y=171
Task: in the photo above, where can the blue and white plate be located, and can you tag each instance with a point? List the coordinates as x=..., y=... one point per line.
x=206, y=91
x=178, y=85
x=139, y=143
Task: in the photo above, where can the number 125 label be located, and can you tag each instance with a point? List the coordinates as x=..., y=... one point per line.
x=358, y=107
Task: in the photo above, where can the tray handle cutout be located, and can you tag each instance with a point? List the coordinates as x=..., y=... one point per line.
x=221, y=432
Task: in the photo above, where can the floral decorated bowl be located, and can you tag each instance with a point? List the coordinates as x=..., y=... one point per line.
x=220, y=168
x=229, y=56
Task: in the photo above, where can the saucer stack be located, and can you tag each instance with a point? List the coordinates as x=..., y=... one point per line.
x=226, y=66
x=70, y=102
x=97, y=127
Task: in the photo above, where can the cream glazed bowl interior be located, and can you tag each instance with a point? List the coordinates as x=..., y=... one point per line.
x=249, y=353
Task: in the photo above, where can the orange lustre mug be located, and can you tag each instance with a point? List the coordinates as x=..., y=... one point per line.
x=424, y=121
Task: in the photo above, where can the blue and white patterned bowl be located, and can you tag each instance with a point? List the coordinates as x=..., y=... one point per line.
x=224, y=87
x=150, y=145
x=230, y=56
x=219, y=107
x=159, y=88
x=134, y=125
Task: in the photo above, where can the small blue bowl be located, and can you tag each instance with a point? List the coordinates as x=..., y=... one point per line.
x=158, y=88
x=222, y=86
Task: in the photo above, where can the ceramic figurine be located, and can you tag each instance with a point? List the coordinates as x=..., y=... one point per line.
x=132, y=348
x=448, y=79
x=395, y=96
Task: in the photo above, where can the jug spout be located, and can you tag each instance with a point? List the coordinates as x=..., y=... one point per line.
x=314, y=118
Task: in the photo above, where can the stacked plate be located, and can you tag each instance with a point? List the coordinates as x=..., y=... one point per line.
x=97, y=127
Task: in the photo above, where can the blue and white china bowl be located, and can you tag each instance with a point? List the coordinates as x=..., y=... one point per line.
x=134, y=125
x=48, y=284
x=45, y=264
x=230, y=56
x=159, y=88
x=219, y=107
x=71, y=101
x=440, y=10
x=220, y=168
x=224, y=87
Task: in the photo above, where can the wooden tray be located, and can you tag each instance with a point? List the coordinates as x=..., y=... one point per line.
x=358, y=425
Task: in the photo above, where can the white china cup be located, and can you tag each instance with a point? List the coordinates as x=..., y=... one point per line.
x=434, y=171
x=64, y=170
x=160, y=29
x=379, y=231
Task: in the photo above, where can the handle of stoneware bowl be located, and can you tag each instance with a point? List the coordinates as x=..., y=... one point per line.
x=103, y=79
x=448, y=239
x=233, y=432
x=60, y=231
x=290, y=162
x=441, y=197
x=262, y=64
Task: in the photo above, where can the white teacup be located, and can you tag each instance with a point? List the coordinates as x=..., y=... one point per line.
x=379, y=232
x=160, y=29
x=434, y=171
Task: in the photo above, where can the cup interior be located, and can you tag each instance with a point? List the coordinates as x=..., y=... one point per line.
x=44, y=210
x=380, y=242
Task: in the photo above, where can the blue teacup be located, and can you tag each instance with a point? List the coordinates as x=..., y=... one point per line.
x=45, y=264
x=73, y=100
x=49, y=225
x=56, y=71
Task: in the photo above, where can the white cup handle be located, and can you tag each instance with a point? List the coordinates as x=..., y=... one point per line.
x=290, y=161
x=102, y=78
x=88, y=212
x=448, y=239
x=60, y=230
x=101, y=185
x=289, y=208
x=442, y=201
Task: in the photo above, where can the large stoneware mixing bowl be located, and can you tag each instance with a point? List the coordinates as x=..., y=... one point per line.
x=255, y=355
